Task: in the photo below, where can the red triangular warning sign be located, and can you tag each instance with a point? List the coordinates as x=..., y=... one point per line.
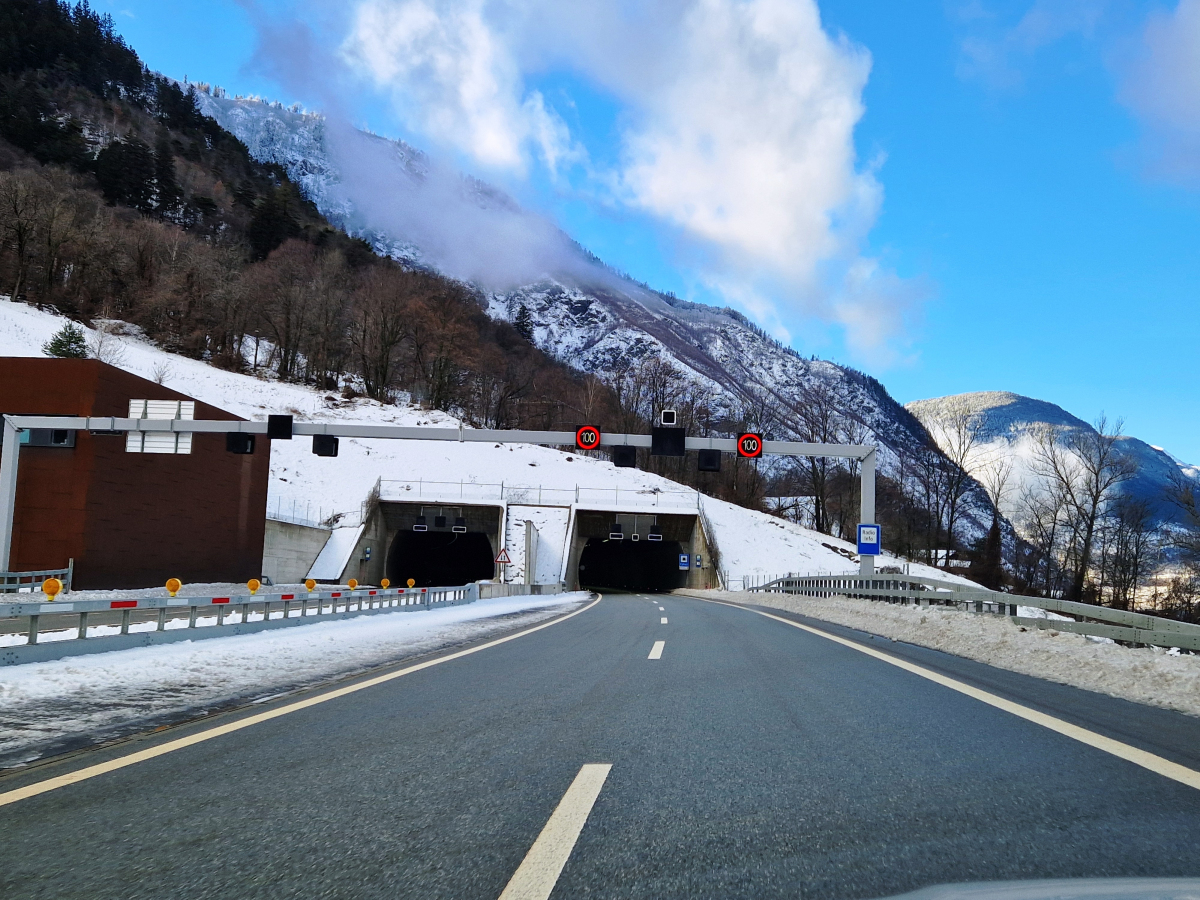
x=503, y=559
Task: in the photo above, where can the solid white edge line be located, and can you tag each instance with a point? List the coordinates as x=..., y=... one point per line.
x=50, y=784
x=538, y=873
x=656, y=651
x=1127, y=752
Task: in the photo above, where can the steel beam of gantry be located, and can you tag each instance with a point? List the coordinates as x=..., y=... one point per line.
x=14, y=425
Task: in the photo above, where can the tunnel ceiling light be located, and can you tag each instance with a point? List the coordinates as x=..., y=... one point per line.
x=635, y=537
x=439, y=521
x=420, y=525
x=460, y=525
x=655, y=533
x=616, y=532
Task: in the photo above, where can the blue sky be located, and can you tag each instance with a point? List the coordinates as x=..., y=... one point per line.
x=1024, y=222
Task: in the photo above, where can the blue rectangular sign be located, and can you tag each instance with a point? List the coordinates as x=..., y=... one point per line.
x=685, y=561
x=699, y=563
x=870, y=537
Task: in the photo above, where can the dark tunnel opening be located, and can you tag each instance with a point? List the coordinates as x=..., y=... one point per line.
x=642, y=566
x=439, y=558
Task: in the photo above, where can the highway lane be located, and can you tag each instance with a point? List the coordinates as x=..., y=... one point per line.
x=751, y=759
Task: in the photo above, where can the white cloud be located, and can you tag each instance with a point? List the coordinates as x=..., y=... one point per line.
x=736, y=127
x=454, y=78
x=1162, y=87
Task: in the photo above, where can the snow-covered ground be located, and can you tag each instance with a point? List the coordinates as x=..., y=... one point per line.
x=752, y=545
x=1151, y=675
x=84, y=700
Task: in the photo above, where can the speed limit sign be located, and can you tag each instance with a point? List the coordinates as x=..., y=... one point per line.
x=587, y=438
x=750, y=445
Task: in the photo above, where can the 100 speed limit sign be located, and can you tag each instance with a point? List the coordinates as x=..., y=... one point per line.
x=750, y=445
x=587, y=438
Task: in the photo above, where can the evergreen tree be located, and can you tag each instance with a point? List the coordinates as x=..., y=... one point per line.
x=67, y=343
x=126, y=172
x=271, y=224
x=168, y=196
x=524, y=323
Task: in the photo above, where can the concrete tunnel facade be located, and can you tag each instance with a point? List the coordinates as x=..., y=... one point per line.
x=546, y=543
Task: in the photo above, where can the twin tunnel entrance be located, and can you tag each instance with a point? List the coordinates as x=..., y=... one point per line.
x=458, y=545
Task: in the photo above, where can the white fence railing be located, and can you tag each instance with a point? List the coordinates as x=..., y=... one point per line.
x=502, y=492
x=1097, y=621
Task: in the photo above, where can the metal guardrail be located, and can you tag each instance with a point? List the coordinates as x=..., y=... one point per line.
x=1097, y=621
x=209, y=617
x=15, y=582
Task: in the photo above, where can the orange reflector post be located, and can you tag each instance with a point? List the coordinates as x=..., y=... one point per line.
x=253, y=584
x=353, y=582
x=412, y=582
x=385, y=584
x=173, y=586
x=52, y=587
x=310, y=584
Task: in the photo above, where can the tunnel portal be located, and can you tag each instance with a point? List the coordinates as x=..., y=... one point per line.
x=625, y=565
x=439, y=558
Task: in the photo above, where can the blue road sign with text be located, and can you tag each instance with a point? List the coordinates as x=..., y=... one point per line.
x=685, y=561
x=869, y=539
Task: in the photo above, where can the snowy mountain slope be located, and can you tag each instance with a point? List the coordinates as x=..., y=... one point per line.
x=582, y=312
x=1009, y=421
x=752, y=544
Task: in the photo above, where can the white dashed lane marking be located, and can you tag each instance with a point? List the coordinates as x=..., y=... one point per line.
x=657, y=650
x=662, y=621
x=538, y=873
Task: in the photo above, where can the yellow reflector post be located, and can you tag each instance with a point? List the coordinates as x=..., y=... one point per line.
x=412, y=582
x=52, y=587
x=173, y=586
x=253, y=584
x=310, y=584
x=385, y=584
x=353, y=582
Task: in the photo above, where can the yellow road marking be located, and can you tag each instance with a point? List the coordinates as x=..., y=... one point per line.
x=50, y=784
x=538, y=873
x=1127, y=752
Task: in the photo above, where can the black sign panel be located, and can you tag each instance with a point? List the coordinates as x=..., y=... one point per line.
x=750, y=445
x=279, y=428
x=667, y=441
x=325, y=445
x=587, y=438
x=624, y=457
x=709, y=461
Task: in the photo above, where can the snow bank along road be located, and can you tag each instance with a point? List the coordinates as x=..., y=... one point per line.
x=639, y=747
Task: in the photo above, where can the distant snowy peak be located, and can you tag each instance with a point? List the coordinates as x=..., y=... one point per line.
x=1010, y=422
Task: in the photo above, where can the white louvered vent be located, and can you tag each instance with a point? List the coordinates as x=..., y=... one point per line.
x=161, y=441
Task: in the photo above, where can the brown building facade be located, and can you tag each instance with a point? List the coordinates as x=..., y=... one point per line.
x=129, y=519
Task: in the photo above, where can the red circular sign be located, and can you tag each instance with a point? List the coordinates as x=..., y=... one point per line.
x=750, y=445
x=587, y=438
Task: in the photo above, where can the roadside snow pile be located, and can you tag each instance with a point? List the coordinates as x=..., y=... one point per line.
x=82, y=700
x=1151, y=675
x=751, y=544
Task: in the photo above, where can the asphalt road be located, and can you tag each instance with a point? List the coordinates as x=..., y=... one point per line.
x=751, y=760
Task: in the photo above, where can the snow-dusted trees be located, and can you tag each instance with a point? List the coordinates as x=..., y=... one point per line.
x=1080, y=471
